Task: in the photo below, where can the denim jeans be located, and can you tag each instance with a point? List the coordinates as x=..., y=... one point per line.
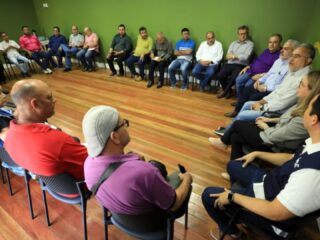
x=86, y=57
x=69, y=52
x=184, y=67
x=22, y=66
x=204, y=73
x=41, y=58
x=141, y=63
x=243, y=81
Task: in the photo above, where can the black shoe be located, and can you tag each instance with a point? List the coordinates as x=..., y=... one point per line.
x=60, y=66
x=28, y=74
x=150, y=84
x=228, y=95
x=84, y=69
x=121, y=74
x=90, y=69
x=159, y=85
x=113, y=74
x=233, y=104
x=23, y=75
x=201, y=89
x=67, y=69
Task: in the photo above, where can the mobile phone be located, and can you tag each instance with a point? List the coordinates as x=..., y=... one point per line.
x=182, y=168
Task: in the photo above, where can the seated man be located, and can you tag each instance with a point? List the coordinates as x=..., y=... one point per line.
x=237, y=58
x=32, y=46
x=184, y=52
x=119, y=51
x=140, y=54
x=288, y=192
x=54, y=48
x=208, y=57
x=259, y=67
x=135, y=187
x=90, y=50
x=284, y=96
x=76, y=41
x=35, y=145
x=10, y=48
x=270, y=80
x=160, y=54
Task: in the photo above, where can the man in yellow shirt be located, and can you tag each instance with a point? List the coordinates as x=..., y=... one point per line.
x=140, y=54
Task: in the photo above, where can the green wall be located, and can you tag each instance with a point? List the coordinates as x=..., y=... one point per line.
x=14, y=14
x=292, y=18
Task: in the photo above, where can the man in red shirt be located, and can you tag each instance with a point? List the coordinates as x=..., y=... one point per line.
x=32, y=46
x=34, y=144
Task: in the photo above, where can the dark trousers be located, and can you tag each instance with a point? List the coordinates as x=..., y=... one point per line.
x=228, y=74
x=58, y=54
x=41, y=58
x=141, y=63
x=249, y=93
x=161, y=66
x=119, y=59
x=243, y=133
x=2, y=76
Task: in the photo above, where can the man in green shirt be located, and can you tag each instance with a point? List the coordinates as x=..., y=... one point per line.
x=140, y=54
x=119, y=51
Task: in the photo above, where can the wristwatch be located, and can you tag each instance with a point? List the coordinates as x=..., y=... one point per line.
x=230, y=197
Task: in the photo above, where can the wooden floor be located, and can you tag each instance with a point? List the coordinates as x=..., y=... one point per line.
x=166, y=124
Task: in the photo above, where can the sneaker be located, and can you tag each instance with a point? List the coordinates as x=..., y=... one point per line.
x=49, y=70
x=173, y=86
x=220, y=131
x=217, y=143
x=226, y=176
x=138, y=78
x=67, y=69
x=45, y=71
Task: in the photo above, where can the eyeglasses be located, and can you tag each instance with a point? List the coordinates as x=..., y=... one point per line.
x=124, y=124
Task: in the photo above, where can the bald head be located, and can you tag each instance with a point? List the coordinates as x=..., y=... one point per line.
x=33, y=99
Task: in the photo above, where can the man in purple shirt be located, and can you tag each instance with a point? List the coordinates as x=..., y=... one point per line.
x=259, y=67
x=136, y=186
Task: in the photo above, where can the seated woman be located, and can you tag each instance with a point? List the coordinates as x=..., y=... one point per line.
x=288, y=133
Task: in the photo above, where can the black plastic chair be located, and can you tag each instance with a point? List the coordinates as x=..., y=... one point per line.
x=61, y=185
x=9, y=70
x=157, y=225
x=4, y=157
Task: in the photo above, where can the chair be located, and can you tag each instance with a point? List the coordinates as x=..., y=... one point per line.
x=144, y=226
x=10, y=164
x=291, y=226
x=100, y=56
x=8, y=68
x=59, y=186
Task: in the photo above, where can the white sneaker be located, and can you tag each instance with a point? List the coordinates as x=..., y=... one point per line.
x=45, y=71
x=217, y=143
x=49, y=70
x=225, y=175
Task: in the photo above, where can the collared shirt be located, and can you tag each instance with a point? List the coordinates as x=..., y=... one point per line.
x=121, y=43
x=185, y=45
x=89, y=40
x=212, y=53
x=76, y=40
x=276, y=74
x=243, y=50
x=162, y=49
x=12, y=52
x=144, y=46
x=285, y=95
x=44, y=150
x=264, y=62
x=56, y=41
x=30, y=42
x=135, y=187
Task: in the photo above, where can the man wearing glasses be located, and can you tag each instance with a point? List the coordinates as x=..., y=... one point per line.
x=135, y=187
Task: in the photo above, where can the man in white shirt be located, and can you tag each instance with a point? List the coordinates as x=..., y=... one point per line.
x=208, y=57
x=10, y=48
x=289, y=191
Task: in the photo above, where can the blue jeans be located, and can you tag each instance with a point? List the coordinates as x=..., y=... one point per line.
x=243, y=81
x=141, y=63
x=184, y=66
x=69, y=52
x=244, y=176
x=24, y=66
x=246, y=114
x=204, y=73
x=86, y=57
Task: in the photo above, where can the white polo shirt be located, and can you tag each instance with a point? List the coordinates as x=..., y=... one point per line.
x=11, y=52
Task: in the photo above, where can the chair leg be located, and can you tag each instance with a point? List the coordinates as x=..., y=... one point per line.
x=9, y=182
x=44, y=199
x=84, y=218
x=26, y=180
x=2, y=176
x=186, y=218
x=170, y=228
x=105, y=222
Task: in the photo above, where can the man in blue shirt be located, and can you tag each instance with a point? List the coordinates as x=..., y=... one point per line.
x=184, y=52
x=54, y=46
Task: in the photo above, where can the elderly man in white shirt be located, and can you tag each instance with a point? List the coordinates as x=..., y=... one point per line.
x=10, y=48
x=208, y=57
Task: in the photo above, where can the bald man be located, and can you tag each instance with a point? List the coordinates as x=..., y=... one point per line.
x=89, y=51
x=34, y=144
